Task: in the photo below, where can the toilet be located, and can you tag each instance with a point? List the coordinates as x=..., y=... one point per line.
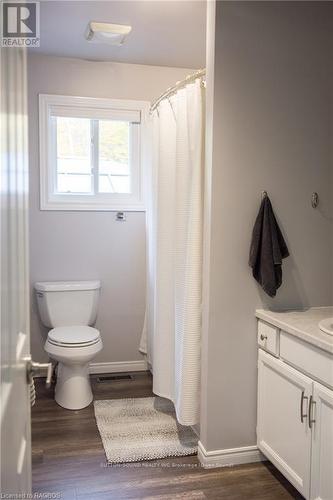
x=69, y=308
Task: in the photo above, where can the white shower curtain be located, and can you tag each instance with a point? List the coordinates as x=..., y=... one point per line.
x=172, y=332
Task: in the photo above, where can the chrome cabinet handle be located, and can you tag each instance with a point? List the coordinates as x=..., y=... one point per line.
x=311, y=419
x=303, y=415
x=263, y=337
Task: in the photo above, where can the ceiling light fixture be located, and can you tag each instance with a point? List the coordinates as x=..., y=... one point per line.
x=112, y=34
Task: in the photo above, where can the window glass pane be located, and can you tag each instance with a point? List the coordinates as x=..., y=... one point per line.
x=73, y=155
x=74, y=183
x=114, y=157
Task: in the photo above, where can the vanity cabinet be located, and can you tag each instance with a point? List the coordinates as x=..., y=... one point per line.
x=322, y=444
x=295, y=416
x=283, y=433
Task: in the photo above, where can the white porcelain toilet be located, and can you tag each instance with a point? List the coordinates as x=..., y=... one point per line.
x=69, y=307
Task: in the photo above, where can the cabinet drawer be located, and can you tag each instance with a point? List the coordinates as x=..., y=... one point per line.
x=311, y=360
x=268, y=337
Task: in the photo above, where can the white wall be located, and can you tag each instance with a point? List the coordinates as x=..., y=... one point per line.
x=91, y=245
x=270, y=132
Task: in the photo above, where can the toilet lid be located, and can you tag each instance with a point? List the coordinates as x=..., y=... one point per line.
x=73, y=335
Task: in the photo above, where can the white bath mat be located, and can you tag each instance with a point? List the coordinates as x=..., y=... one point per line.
x=139, y=429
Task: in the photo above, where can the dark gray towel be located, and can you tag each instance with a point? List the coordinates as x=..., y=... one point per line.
x=268, y=248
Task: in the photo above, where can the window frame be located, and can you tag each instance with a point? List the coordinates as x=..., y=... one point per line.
x=94, y=109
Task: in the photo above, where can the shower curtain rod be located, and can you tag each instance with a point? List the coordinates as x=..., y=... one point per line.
x=179, y=85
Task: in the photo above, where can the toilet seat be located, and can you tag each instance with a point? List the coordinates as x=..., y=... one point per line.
x=73, y=336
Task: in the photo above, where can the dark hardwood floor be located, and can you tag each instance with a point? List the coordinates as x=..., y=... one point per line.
x=68, y=459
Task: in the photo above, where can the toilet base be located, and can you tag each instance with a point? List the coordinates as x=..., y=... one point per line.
x=73, y=389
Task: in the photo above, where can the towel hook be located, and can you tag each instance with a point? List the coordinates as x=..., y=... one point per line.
x=263, y=194
x=314, y=200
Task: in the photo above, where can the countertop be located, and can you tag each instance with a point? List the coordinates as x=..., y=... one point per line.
x=302, y=324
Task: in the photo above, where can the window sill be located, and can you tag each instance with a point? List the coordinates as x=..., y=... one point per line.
x=91, y=207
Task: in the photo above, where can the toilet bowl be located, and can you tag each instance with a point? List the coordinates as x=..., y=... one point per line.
x=73, y=347
x=70, y=307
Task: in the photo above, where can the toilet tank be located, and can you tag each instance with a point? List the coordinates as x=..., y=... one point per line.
x=67, y=303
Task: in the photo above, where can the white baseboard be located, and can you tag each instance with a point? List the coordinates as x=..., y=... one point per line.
x=118, y=366
x=228, y=457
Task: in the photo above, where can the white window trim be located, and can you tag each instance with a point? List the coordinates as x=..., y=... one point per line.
x=90, y=107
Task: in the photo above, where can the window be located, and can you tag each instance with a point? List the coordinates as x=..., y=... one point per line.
x=92, y=153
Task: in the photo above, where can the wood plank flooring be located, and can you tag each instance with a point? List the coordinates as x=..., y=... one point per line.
x=68, y=459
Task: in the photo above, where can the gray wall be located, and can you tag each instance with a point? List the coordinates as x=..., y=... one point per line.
x=89, y=245
x=330, y=64
x=270, y=132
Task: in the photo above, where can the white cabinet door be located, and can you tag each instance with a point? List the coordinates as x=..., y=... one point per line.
x=283, y=436
x=322, y=443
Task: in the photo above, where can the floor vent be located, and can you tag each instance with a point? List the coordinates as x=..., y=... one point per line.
x=111, y=378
